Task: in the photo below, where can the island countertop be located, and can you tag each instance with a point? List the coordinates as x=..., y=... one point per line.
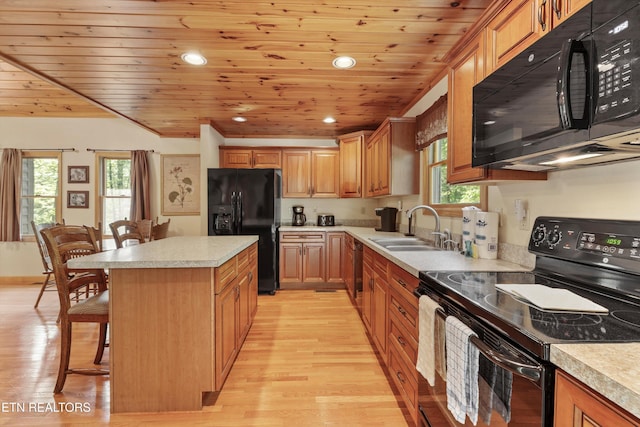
x=172, y=252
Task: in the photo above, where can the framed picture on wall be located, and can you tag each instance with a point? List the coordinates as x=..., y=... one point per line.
x=78, y=174
x=180, y=189
x=78, y=199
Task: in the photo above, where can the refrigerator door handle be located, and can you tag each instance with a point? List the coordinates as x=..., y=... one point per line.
x=239, y=212
x=233, y=213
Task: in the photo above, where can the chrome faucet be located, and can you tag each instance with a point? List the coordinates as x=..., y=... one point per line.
x=410, y=212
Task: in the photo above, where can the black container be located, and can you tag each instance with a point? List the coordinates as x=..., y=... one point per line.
x=387, y=219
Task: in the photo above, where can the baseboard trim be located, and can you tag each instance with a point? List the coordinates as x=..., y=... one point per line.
x=21, y=280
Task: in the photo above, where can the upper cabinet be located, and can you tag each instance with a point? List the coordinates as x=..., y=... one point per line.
x=391, y=160
x=504, y=36
x=248, y=158
x=311, y=173
x=521, y=23
x=351, y=159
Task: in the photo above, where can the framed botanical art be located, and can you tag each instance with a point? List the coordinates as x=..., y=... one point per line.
x=78, y=199
x=180, y=174
x=78, y=174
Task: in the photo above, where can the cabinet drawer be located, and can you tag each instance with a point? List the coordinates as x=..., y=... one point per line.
x=403, y=281
x=405, y=379
x=380, y=265
x=243, y=261
x=405, y=342
x=225, y=274
x=303, y=237
x=406, y=311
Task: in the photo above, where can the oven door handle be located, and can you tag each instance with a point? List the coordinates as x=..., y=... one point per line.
x=515, y=366
x=531, y=372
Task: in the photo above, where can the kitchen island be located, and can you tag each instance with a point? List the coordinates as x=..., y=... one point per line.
x=172, y=335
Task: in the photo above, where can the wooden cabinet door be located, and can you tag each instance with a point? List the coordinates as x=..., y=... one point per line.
x=369, y=168
x=227, y=319
x=267, y=159
x=325, y=173
x=466, y=70
x=383, y=164
x=296, y=173
x=253, y=281
x=313, y=262
x=515, y=28
x=351, y=166
x=576, y=405
x=335, y=255
x=236, y=158
x=244, y=305
x=367, y=289
x=348, y=267
x=290, y=262
x=380, y=314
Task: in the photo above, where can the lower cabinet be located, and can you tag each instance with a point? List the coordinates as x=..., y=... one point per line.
x=235, y=306
x=390, y=315
x=577, y=405
x=311, y=259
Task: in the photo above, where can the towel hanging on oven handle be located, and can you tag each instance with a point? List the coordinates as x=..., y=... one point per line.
x=531, y=372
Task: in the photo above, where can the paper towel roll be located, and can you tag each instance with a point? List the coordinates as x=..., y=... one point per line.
x=487, y=234
x=469, y=223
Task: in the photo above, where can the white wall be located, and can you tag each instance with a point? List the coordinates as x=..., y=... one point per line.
x=22, y=258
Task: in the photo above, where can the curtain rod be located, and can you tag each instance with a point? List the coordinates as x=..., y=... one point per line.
x=43, y=149
x=93, y=150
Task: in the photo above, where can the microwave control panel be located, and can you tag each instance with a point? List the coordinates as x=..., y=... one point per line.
x=616, y=56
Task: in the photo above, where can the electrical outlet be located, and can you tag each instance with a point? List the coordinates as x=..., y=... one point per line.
x=399, y=205
x=524, y=224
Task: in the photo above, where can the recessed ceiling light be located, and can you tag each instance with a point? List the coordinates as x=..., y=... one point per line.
x=344, y=62
x=329, y=120
x=239, y=119
x=193, y=58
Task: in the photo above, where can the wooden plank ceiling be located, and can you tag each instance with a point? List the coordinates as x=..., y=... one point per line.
x=269, y=61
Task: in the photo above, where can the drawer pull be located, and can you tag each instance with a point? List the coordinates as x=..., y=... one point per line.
x=402, y=311
x=401, y=341
x=541, y=20
x=400, y=377
x=404, y=285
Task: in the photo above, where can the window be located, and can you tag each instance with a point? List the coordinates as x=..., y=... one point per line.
x=40, y=189
x=115, y=188
x=448, y=199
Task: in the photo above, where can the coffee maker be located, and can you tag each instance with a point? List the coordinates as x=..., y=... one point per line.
x=299, y=218
x=387, y=218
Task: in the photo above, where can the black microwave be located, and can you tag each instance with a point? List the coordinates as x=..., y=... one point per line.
x=571, y=99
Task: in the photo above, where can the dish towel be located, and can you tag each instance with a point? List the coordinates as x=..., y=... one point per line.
x=441, y=356
x=494, y=387
x=426, y=339
x=462, y=371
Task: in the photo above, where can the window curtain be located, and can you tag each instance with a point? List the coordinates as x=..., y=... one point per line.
x=432, y=124
x=140, y=198
x=10, y=195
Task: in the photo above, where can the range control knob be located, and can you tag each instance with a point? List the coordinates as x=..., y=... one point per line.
x=554, y=237
x=539, y=235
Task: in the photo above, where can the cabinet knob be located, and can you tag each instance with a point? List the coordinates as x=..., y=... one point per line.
x=400, y=377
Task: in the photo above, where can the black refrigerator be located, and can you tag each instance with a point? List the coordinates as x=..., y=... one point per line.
x=247, y=202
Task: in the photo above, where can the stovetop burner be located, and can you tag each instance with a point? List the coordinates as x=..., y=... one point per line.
x=628, y=316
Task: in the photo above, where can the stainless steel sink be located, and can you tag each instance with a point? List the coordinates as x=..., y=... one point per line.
x=404, y=244
x=410, y=248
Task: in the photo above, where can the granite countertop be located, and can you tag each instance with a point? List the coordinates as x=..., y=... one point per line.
x=610, y=369
x=414, y=262
x=172, y=252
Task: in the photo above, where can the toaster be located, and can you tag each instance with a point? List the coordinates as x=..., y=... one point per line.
x=326, y=220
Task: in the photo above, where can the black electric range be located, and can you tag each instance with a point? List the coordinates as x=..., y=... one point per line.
x=596, y=259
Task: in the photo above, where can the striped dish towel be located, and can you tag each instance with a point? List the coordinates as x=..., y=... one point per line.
x=426, y=339
x=462, y=371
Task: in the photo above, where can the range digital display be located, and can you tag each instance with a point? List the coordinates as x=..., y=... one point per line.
x=620, y=246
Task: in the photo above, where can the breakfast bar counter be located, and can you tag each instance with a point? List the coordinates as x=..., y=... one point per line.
x=166, y=345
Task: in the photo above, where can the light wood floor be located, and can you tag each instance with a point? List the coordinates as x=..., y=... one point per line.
x=306, y=362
